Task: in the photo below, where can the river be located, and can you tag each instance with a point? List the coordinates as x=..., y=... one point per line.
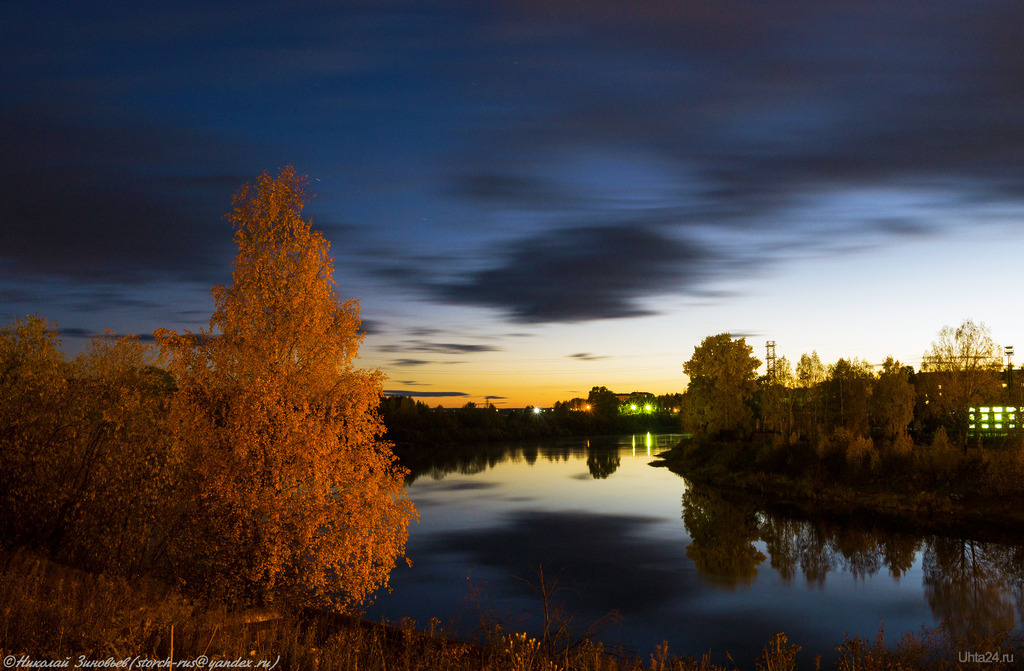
x=693, y=566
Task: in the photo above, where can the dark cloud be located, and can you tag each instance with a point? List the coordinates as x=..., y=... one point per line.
x=86, y=334
x=438, y=348
x=547, y=159
x=770, y=119
x=414, y=393
x=586, y=356
x=91, y=203
x=573, y=275
x=410, y=362
x=371, y=327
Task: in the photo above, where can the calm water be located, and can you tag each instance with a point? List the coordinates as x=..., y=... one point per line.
x=680, y=563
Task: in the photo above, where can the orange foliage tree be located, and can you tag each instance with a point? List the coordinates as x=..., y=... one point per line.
x=86, y=473
x=292, y=494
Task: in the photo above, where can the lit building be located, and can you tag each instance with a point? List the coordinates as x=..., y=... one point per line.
x=994, y=420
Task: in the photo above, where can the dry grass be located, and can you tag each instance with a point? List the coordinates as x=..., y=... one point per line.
x=50, y=612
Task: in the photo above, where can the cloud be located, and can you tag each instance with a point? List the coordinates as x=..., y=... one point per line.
x=586, y=356
x=410, y=362
x=438, y=348
x=94, y=203
x=371, y=326
x=573, y=275
x=415, y=393
x=86, y=334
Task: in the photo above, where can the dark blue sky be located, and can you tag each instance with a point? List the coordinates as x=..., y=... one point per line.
x=529, y=187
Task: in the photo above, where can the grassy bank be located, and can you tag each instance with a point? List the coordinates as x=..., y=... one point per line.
x=936, y=487
x=52, y=613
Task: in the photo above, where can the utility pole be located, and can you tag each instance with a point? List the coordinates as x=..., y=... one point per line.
x=1012, y=397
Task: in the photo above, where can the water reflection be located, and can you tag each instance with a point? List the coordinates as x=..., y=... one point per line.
x=723, y=537
x=602, y=454
x=726, y=577
x=973, y=588
x=602, y=463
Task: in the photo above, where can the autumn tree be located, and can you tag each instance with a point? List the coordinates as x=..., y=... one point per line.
x=808, y=401
x=723, y=379
x=34, y=427
x=892, y=401
x=86, y=470
x=293, y=494
x=961, y=369
x=847, y=394
x=777, y=398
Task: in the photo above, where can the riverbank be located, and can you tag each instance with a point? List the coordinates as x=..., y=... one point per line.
x=51, y=613
x=935, y=488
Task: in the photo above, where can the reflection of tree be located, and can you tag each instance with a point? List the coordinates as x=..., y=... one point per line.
x=1009, y=560
x=722, y=536
x=816, y=557
x=898, y=552
x=602, y=462
x=965, y=588
x=861, y=550
x=816, y=548
x=779, y=535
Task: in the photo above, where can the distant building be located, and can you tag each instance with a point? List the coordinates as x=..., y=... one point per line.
x=990, y=421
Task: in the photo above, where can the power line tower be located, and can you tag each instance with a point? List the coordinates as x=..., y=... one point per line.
x=1009, y=374
x=769, y=361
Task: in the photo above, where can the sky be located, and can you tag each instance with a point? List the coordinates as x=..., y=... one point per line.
x=529, y=198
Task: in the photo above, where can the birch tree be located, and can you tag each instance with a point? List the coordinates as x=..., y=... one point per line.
x=294, y=495
x=961, y=369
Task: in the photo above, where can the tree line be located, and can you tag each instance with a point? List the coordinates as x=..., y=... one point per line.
x=962, y=369
x=243, y=463
x=893, y=440
x=413, y=424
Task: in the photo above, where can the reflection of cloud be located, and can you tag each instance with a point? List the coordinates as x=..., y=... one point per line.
x=587, y=552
